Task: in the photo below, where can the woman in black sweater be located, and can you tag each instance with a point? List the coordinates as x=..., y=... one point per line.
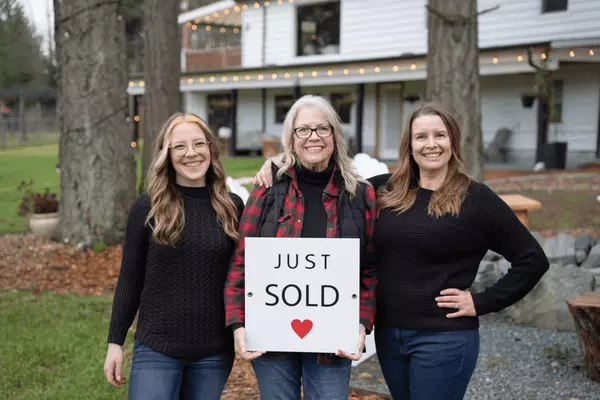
x=434, y=226
x=178, y=243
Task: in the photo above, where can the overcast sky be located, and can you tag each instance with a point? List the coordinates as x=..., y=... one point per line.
x=38, y=14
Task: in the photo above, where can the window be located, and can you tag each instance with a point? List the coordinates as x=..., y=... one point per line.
x=219, y=111
x=557, y=100
x=201, y=39
x=549, y=6
x=283, y=103
x=342, y=102
x=318, y=29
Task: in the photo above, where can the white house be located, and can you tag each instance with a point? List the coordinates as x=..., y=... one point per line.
x=244, y=62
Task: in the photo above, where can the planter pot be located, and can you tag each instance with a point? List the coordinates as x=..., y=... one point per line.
x=527, y=100
x=44, y=225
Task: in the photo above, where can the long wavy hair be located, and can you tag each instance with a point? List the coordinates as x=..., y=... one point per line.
x=399, y=195
x=340, y=153
x=166, y=202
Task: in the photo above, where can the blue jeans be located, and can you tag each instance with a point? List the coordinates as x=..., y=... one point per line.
x=280, y=376
x=157, y=376
x=420, y=365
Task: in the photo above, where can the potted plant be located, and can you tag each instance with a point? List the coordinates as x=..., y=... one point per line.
x=42, y=210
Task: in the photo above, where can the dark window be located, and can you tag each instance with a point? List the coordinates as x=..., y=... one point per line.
x=215, y=38
x=319, y=29
x=283, y=103
x=557, y=101
x=219, y=111
x=554, y=5
x=342, y=102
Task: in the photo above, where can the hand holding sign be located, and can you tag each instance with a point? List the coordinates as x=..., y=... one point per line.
x=361, y=345
x=239, y=337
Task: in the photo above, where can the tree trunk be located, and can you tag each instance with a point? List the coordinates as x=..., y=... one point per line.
x=97, y=184
x=453, y=72
x=162, y=70
x=586, y=315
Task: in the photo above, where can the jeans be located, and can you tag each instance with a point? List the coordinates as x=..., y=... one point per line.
x=157, y=376
x=280, y=375
x=420, y=365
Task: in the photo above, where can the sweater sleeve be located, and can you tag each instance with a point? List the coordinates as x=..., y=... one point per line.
x=507, y=236
x=131, y=276
x=235, y=283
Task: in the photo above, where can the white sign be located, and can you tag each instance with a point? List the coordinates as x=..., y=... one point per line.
x=302, y=294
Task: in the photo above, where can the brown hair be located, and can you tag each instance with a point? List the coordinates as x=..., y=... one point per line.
x=166, y=203
x=400, y=195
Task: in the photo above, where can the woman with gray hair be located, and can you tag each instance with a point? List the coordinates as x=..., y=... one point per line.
x=316, y=194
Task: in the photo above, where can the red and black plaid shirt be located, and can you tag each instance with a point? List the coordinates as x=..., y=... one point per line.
x=290, y=225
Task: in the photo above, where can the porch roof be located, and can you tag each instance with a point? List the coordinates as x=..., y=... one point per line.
x=392, y=69
x=222, y=13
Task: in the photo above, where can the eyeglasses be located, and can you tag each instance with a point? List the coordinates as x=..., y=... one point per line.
x=180, y=149
x=304, y=132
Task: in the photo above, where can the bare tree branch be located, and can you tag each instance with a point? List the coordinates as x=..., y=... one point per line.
x=488, y=10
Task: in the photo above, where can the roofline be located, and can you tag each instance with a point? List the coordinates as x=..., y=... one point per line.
x=206, y=10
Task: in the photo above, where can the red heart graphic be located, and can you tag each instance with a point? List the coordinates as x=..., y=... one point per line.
x=302, y=327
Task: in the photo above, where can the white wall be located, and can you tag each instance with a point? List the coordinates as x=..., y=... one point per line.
x=195, y=102
x=386, y=28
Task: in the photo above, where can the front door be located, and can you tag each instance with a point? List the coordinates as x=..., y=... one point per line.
x=390, y=121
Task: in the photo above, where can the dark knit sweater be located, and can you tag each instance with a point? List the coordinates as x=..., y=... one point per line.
x=420, y=255
x=178, y=290
x=311, y=185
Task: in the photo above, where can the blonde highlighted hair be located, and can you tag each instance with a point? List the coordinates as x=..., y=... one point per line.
x=166, y=202
x=340, y=153
x=400, y=195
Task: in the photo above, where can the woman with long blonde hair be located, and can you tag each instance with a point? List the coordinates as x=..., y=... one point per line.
x=179, y=240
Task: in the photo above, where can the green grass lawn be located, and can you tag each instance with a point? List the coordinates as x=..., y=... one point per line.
x=39, y=163
x=53, y=347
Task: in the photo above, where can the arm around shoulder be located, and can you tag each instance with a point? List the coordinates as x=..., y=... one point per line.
x=507, y=236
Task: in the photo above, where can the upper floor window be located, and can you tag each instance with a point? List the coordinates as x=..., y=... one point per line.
x=318, y=28
x=214, y=37
x=554, y=5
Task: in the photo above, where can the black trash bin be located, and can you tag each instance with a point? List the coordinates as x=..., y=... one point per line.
x=555, y=155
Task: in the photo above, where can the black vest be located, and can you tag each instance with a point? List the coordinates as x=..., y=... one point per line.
x=350, y=211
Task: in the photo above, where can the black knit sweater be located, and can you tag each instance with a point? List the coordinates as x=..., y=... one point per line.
x=311, y=185
x=420, y=255
x=178, y=290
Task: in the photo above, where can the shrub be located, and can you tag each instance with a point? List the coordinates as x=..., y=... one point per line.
x=36, y=202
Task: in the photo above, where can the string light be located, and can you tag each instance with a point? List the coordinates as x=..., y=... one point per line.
x=267, y=4
x=274, y=76
x=224, y=78
x=377, y=69
x=395, y=68
x=361, y=71
x=591, y=52
x=572, y=53
x=520, y=58
x=260, y=77
x=543, y=56
x=133, y=144
x=212, y=79
x=329, y=73
x=208, y=28
x=235, y=78
x=197, y=20
x=300, y=74
x=190, y=80
x=345, y=71
x=413, y=66
x=136, y=118
x=131, y=84
x=286, y=75
x=495, y=60
x=314, y=74
x=142, y=83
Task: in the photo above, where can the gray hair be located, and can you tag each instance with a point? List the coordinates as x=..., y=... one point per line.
x=343, y=160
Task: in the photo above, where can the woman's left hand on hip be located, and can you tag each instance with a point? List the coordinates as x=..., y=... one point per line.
x=460, y=300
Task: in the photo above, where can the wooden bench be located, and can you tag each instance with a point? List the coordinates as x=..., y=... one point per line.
x=521, y=205
x=585, y=310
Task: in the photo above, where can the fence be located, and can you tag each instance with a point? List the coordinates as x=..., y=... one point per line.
x=15, y=131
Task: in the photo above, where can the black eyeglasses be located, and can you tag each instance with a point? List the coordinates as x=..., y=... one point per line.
x=304, y=132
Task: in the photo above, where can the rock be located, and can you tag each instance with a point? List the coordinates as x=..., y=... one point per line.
x=585, y=242
x=580, y=256
x=488, y=274
x=545, y=306
x=593, y=259
x=595, y=271
x=560, y=249
x=538, y=236
x=491, y=256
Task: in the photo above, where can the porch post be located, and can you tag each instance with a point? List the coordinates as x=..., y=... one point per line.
x=296, y=92
x=233, y=138
x=360, y=105
x=598, y=131
x=542, y=129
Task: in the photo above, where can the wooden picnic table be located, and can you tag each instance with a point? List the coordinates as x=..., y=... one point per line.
x=521, y=205
x=585, y=310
